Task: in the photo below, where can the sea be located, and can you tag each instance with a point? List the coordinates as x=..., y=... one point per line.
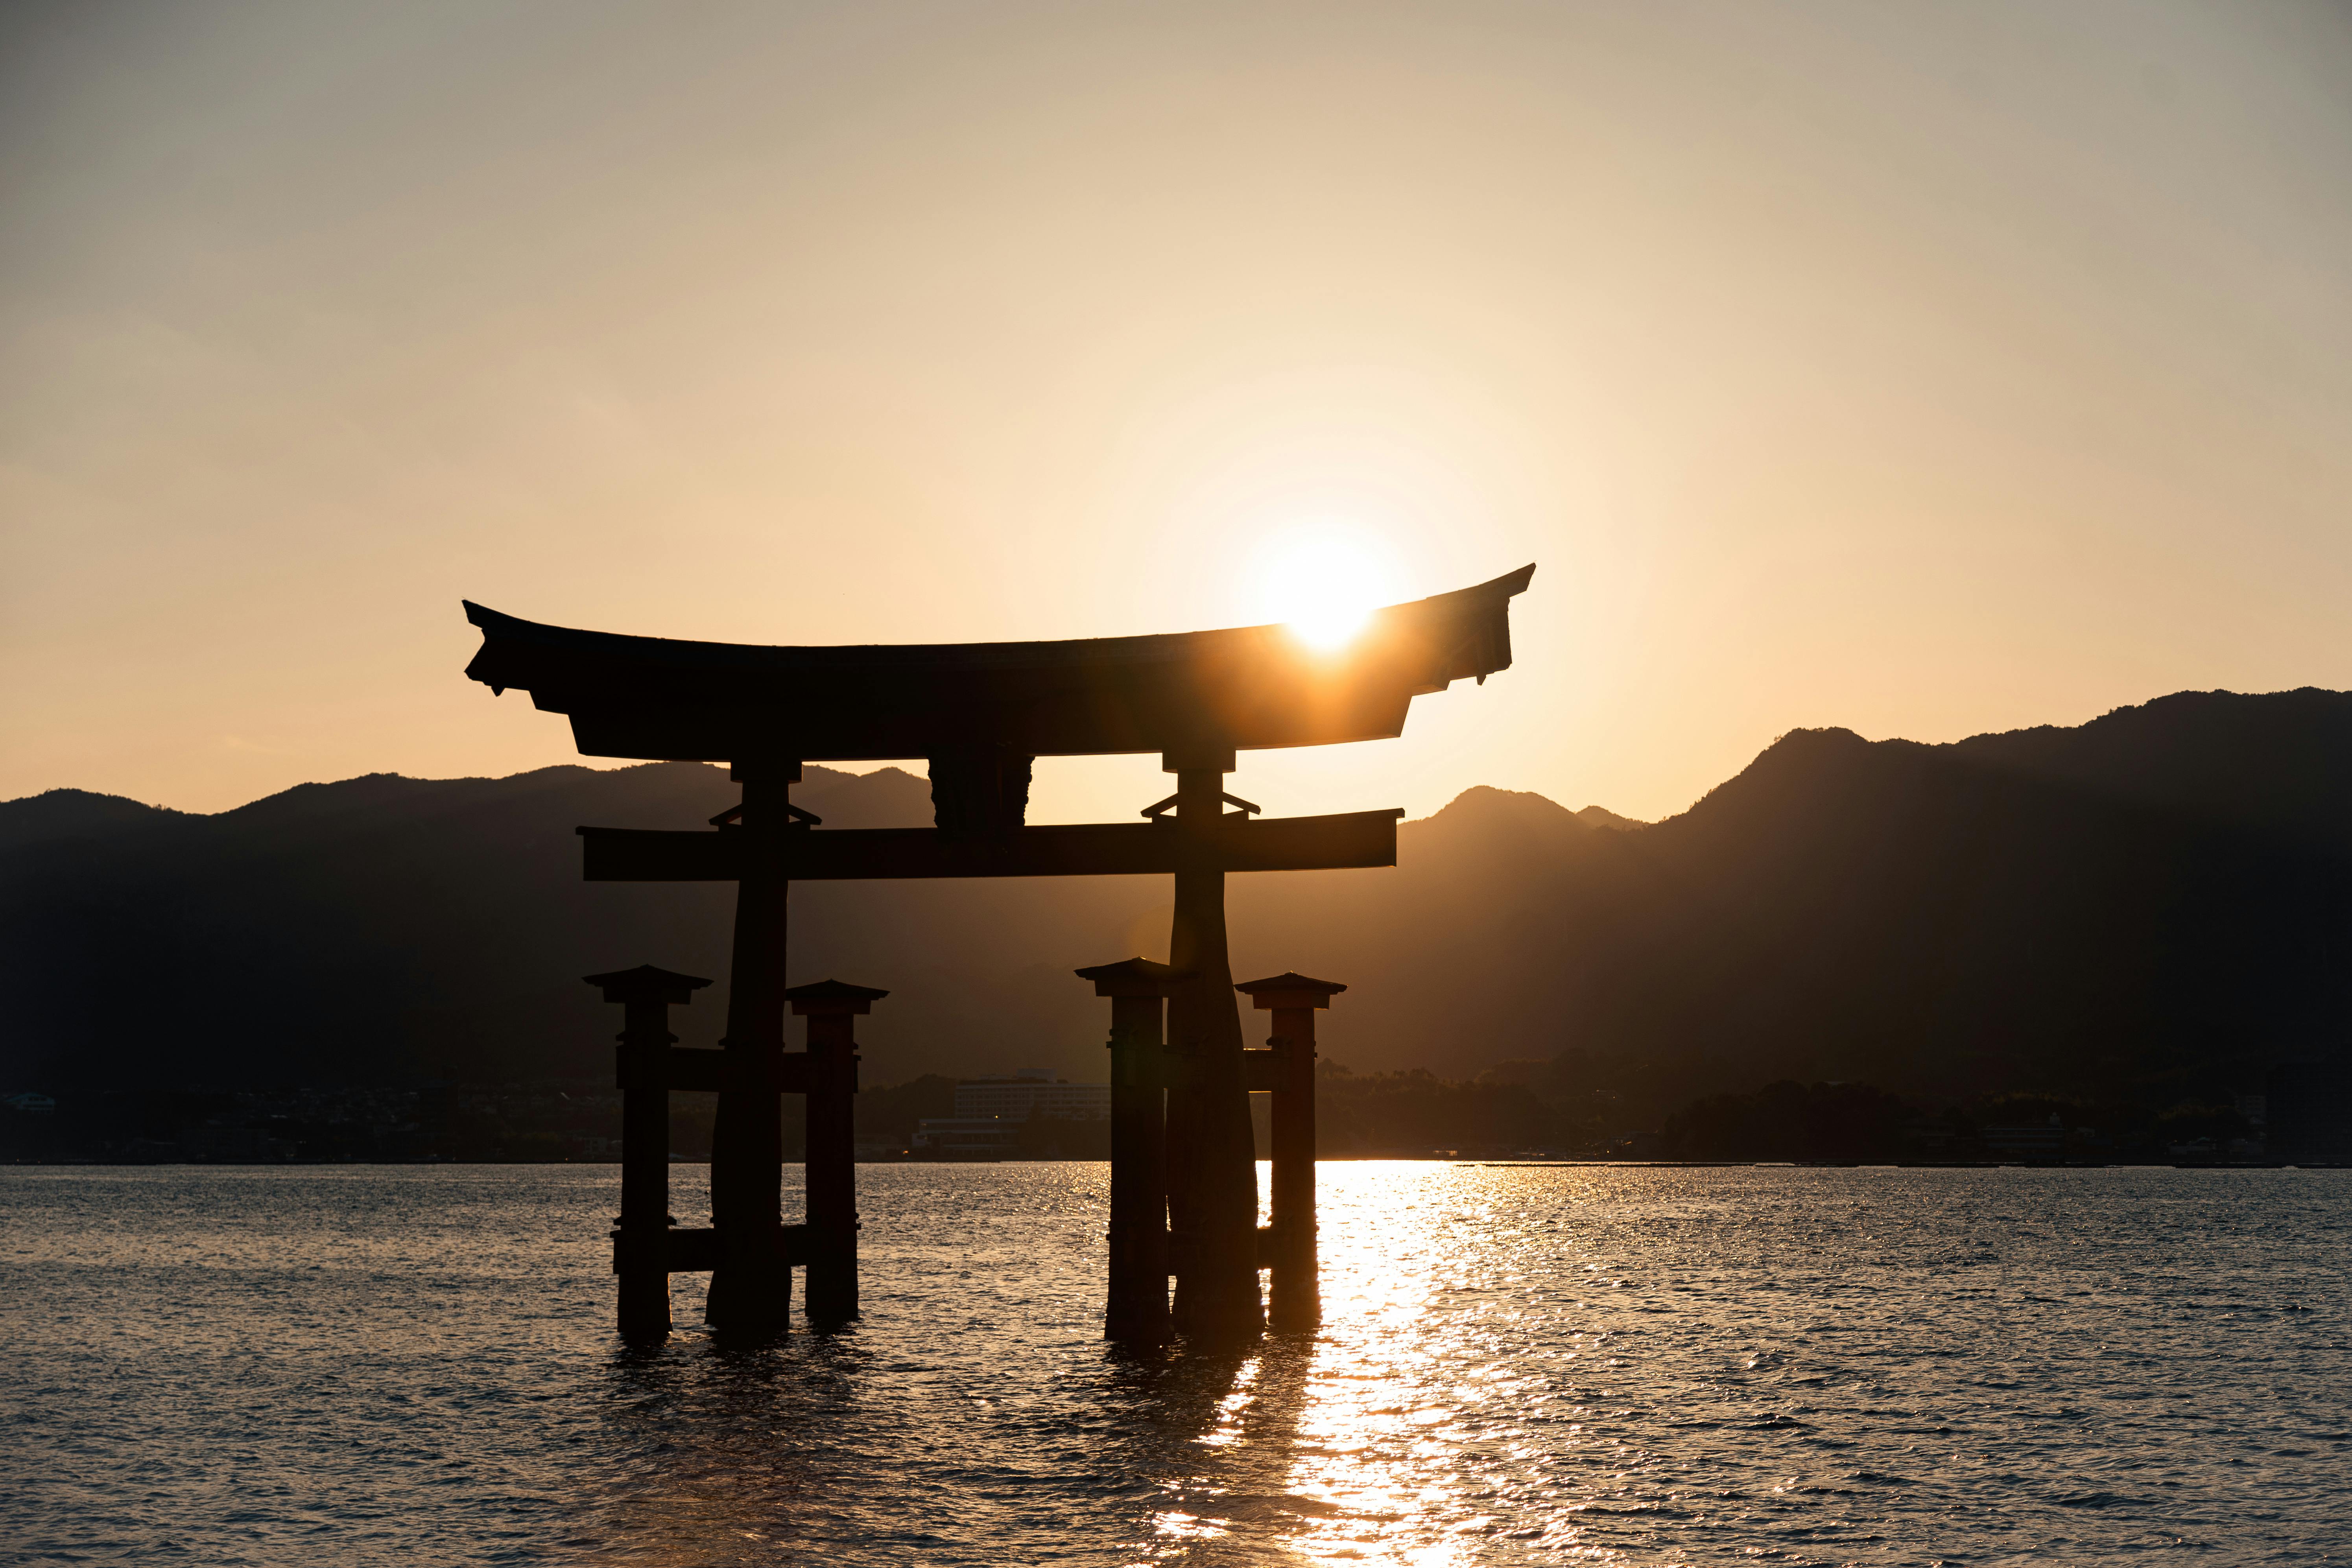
x=415, y=1365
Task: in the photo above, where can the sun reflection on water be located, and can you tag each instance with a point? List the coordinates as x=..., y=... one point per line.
x=1519, y=1365
x=1363, y=1458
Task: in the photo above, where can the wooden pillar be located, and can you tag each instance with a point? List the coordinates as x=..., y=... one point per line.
x=752, y=1289
x=1297, y=1305
x=641, y=1237
x=1135, y=1305
x=1211, y=1156
x=830, y=1252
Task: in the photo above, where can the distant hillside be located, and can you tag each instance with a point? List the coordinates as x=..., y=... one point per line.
x=71, y=814
x=2161, y=897
x=2279, y=764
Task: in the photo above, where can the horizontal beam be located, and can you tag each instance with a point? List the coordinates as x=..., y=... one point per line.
x=1262, y=1072
x=1347, y=841
x=678, y=1251
x=712, y=1072
x=686, y=1251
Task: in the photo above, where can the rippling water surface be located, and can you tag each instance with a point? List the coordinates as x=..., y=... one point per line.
x=413, y=1365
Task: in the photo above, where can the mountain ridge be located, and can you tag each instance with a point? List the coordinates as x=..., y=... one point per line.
x=2123, y=901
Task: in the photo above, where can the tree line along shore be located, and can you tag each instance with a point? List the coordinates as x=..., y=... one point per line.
x=1518, y=1110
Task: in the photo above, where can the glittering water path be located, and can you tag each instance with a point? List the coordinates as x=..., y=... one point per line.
x=413, y=1365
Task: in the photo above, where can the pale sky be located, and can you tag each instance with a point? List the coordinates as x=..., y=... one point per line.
x=1919, y=369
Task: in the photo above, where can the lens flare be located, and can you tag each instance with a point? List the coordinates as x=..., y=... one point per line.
x=1329, y=627
x=1324, y=581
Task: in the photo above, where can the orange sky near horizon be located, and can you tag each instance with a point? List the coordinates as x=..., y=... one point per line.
x=1920, y=370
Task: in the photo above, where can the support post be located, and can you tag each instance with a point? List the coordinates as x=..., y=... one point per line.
x=751, y=1289
x=641, y=1237
x=831, y=1008
x=1135, y=1305
x=1213, y=1160
x=1297, y=1304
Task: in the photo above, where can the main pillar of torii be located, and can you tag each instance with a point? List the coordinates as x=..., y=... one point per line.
x=981, y=713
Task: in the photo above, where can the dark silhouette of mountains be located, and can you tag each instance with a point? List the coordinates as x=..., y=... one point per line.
x=2156, y=902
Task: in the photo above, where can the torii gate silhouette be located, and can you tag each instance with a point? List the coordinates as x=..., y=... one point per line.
x=980, y=713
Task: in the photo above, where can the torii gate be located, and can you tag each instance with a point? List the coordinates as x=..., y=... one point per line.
x=980, y=713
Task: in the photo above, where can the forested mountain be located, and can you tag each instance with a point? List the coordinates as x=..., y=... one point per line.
x=2159, y=898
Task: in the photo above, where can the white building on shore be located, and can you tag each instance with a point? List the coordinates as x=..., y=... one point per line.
x=988, y=1112
x=1033, y=1092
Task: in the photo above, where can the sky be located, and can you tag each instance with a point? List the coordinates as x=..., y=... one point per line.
x=1923, y=370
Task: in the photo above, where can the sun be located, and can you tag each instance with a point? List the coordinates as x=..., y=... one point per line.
x=1331, y=627
x=1323, y=581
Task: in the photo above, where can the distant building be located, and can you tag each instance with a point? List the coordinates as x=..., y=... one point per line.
x=1032, y=1092
x=991, y=1112
x=964, y=1138
x=1933, y=1139
x=30, y=1104
x=2046, y=1141
x=230, y=1145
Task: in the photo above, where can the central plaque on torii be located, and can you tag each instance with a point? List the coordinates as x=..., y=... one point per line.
x=980, y=713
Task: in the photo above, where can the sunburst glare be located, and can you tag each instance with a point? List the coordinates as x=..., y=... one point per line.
x=1323, y=579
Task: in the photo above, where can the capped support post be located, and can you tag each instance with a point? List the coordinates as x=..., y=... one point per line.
x=1135, y=1307
x=831, y=1008
x=641, y=1237
x=1211, y=1161
x=752, y=1289
x=1297, y=1296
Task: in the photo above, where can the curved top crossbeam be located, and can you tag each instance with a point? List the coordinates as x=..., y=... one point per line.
x=1242, y=687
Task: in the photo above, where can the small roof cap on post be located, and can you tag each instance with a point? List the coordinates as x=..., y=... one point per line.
x=1133, y=977
x=648, y=984
x=833, y=997
x=1289, y=989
